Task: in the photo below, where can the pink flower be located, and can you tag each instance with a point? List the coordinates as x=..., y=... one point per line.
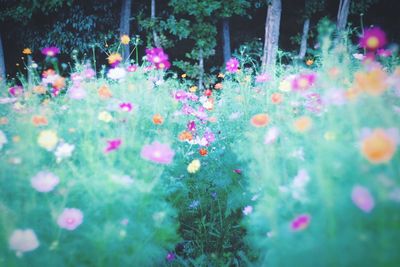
x=362, y=198
x=70, y=218
x=232, y=65
x=262, y=78
x=384, y=52
x=209, y=136
x=158, y=153
x=44, y=181
x=303, y=82
x=191, y=126
x=271, y=135
x=113, y=145
x=300, y=222
x=247, y=210
x=158, y=57
x=373, y=39
x=50, y=51
x=16, y=90
x=76, y=92
x=23, y=241
x=180, y=95
x=89, y=73
x=132, y=68
x=127, y=107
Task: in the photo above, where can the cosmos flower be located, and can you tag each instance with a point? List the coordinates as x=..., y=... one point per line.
x=127, y=107
x=303, y=82
x=50, y=51
x=105, y=116
x=158, y=153
x=76, y=92
x=232, y=65
x=113, y=145
x=23, y=240
x=158, y=119
x=373, y=38
x=247, y=210
x=158, y=58
x=116, y=73
x=276, y=98
x=3, y=139
x=114, y=59
x=379, y=145
x=302, y=124
x=194, y=166
x=132, y=68
x=104, y=92
x=209, y=136
x=47, y=139
x=70, y=219
x=373, y=82
x=301, y=222
x=125, y=39
x=16, y=90
x=39, y=120
x=191, y=126
x=185, y=136
x=170, y=256
x=63, y=151
x=180, y=95
x=44, y=181
x=260, y=120
x=362, y=198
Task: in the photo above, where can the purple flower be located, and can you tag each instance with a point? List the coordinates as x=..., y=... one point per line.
x=89, y=73
x=158, y=153
x=170, y=256
x=16, y=90
x=191, y=126
x=373, y=38
x=300, y=222
x=187, y=110
x=262, y=78
x=113, y=145
x=70, y=219
x=44, y=181
x=180, y=95
x=209, y=136
x=362, y=198
x=232, y=65
x=247, y=210
x=313, y=102
x=50, y=51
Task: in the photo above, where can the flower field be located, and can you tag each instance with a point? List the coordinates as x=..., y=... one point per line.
x=136, y=166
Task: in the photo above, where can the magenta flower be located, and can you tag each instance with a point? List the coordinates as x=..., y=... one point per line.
x=180, y=95
x=384, y=52
x=301, y=222
x=232, y=65
x=158, y=57
x=303, y=82
x=70, y=218
x=113, y=145
x=44, y=181
x=262, y=78
x=132, y=68
x=238, y=171
x=170, y=256
x=191, y=126
x=373, y=38
x=362, y=198
x=16, y=90
x=209, y=136
x=313, y=102
x=127, y=107
x=158, y=153
x=50, y=51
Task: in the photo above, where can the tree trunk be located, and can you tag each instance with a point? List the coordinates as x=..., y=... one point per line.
x=272, y=25
x=226, y=39
x=304, y=37
x=153, y=19
x=124, y=25
x=342, y=15
x=201, y=69
x=2, y=65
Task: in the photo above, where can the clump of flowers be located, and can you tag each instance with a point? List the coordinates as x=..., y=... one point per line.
x=158, y=153
x=70, y=219
x=44, y=181
x=158, y=58
x=379, y=145
x=23, y=240
x=373, y=39
x=232, y=65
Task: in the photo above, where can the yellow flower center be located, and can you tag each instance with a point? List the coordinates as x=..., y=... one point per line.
x=372, y=42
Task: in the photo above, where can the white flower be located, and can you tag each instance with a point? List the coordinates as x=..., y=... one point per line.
x=271, y=135
x=3, y=139
x=116, y=73
x=63, y=151
x=358, y=56
x=23, y=241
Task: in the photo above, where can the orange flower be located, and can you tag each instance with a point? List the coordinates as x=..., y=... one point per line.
x=260, y=120
x=39, y=120
x=184, y=75
x=378, y=147
x=104, y=92
x=309, y=62
x=302, y=124
x=276, y=98
x=373, y=82
x=27, y=51
x=114, y=58
x=59, y=83
x=158, y=119
x=125, y=39
x=203, y=151
x=218, y=86
x=39, y=90
x=185, y=136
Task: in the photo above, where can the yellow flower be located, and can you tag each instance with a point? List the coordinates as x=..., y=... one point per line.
x=193, y=89
x=221, y=75
x=194, y=166
x=27, y=51
x=285, y=86
x=105, y=116
x=125, y=39
x=373, y=82
x=184, y=75
x=47, y=139
x=302, y=124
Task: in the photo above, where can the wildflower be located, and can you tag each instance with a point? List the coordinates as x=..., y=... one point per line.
x=48, y=139
x=158, y=153
x=16, y=90
x=262, y=78
x=132, y=68
x=313, y=102
x=59, y=82
x=44, y=181
x=207, y=92
x=105, y=116
x=125, y=39
x=185, y=136
x=184, y=75
x=158, y=57
x=384, y=52
x=170, y=256
x=232, y=65
x=104, y=92
x=23, y=241
x=125, y=180
x=158, y=119
x=301, y=222
x=309, y=62
x=302, y=124
x=303, y=82
x=194, y=166
x=218, y=86
x=127, y=107
x=76, y=92
x=16, y=138
x=260, y=120
x=334, y=97
x=221, y=75
x=191, y=126
x=203, y=152
x=358, y=56
x=373, y=38
x=271, y=135
x=180, y=95
x=3, y=139
x=113, y=145
x=3, y=120
x=193, y=89
x=50, y=51
x=114, y=59
x=116, y=73
x=379, y=146
x=27, y=51
x=362, y=198
x=276, y=98
x=247, y=210
x=70, y=219
x=373, y=82
x=237, y=171
x=63, y=151
x=89, y=73
x=39, y=90
x=209, y=136
x=286, y=84
x=39, y=120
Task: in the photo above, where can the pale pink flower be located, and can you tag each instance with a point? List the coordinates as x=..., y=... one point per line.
x=70, y=218
x=158, y=153
x=362, y=198
x=271, y=135
x=262, y=78
x=23, y=240
x=44, y=181
x=247, y=210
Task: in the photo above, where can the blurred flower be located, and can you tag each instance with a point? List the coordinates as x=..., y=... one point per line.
x=335, y=97
x=16, y=90
x=47, y=139
x=132, y=68
x=286, y=84
x=170, y=256
x=309, y=62
x=158, y=119
x=23, y=240
x=180, y=95
x=125, y=180
x=89, y=73
x=373, y=82
x=247, y=210
x=127, y=107
x=114, y=59
x=373, y=38
x=50, y=51
x=203, y=151
x=194, y=166
x=3, y=139
x=302, y=124
x=379, y=146
x=185, y=136
x=105, y=116
x=191, y=126
x=104, y=92
x=358, y=56
x=39, y=120
x=158, y=153
x=260, y=120
x=76, y=92
x=125, y=39
x=3, y=120
x=303, y=82
x=63, y=151
x=362, y=198
x=44, y=181
x=271, y=135
x=70, y=219
x=313, y=102
x=301, y=222
x=218, y=86
x=27, y=51
x=262, y=78
x=384, y=52
x=113, y=145
x=209, y=136
x=276, y=98
x=158, y=57
x=184, y=75
x=237, y=171
x=59, y=82
x=39, y=90
x=232, y=65
x=116, y=73
x=193, y=89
